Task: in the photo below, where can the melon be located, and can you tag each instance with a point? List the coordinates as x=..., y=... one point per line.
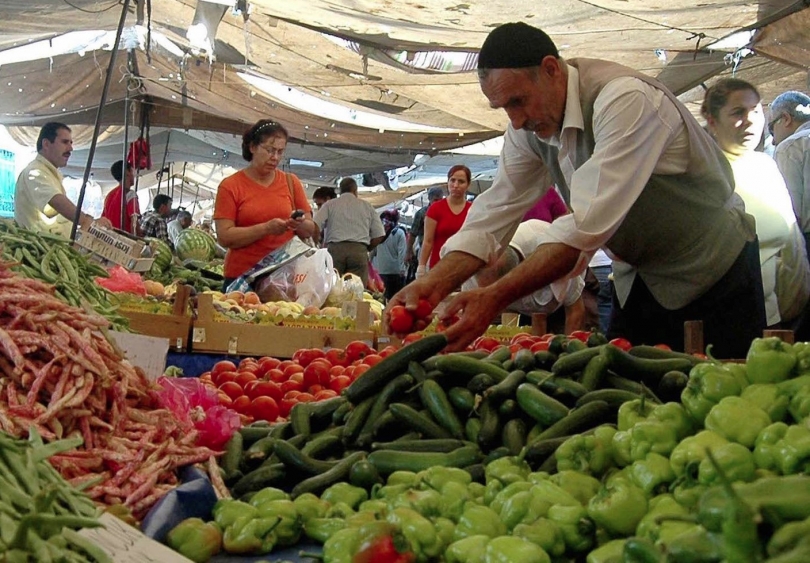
x=194, y=244
x=162, y=254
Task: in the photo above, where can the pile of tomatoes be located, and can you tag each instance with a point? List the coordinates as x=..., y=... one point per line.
x=267, y=388
x=539, y=343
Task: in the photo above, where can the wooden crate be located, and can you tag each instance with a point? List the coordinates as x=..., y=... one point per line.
x=176, y=327
x=253, y=339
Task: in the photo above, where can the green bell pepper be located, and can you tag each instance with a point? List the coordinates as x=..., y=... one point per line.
x=737, y=420
x=651, y=436
x=783, y=448
x=579, y=485
x=515, y=509
x=770, y=398
x=688, y=492
x=491, y=491
x=344, y=492
x=788, y=537
x=770, y=360
x=288, y=530
x=408, y=478
x=633, y=411
x=509, y=549
x=321, y=529
x=544, y=495
x=802, y=351
x=765, y=449
x=445, y=528
x=508, y=492
x=309, y=506
x=389, y=491
x=545, y=533
x=618, y=508
x=592, y=454
x=577, y=529
x=377, y=506
x=340, y=510
x=792, y=386
x=621, y=448
x=196, y=539
x=268, y=494
x=736, y=461
x=610, y=552
x=507, y=470
x=674, y=416
x=479, y=520
x=655, y=526
x=436, y=477
x=427, y=503
x=696, y=545
x=708, y=384
x=692, y=450
x=226, y=511
x=652, y=473
x=250, y=535
x=454, y=497
x=477, y=491
x=341, y=546
x=419, y=531
x=467, y=550
x=800, y=404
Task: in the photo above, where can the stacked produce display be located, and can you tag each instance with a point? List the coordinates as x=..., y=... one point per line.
x=578, y=451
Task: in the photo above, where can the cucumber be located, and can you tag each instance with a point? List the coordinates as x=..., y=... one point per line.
x=537, y=451
x=480, y=383
x=575, y=345
x=500, y=354
x=463, y=365
x=301, y=423
x=324, y=445
x=418, y=421
x=339, y=472
x=509, y=409
x=574, y=362
x=653, y=353
x=394, y=388
x=542, y=408
x=558, y=387
x=282, y=431
x=496, y=453
x=378, y=375
x=416, y=371
x=296, y=461
x=645, y=370
x=435, y=399
x=671, y=385
x=580, y=419
x=357, y=418
x=594, y=371
x=596, y=339
x=389, y=461
x=252, y=433
x=490, y=424
x=514, y=435
x=543, y=359
x=435, y=445
x=472, y=428
x=506, y=388
x=364, y=474
x=462, y=399
x=617, y=382
x=340, y=414
x=524, y=360
x=613, y=397
x=258, y=479
x=259, y=450
x=233, y=454
x=477, y=472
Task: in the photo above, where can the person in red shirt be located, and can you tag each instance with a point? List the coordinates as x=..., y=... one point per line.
x=112, y=203
x=444, y=218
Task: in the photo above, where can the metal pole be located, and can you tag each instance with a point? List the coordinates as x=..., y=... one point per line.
x=124, y=168
x=99, y=114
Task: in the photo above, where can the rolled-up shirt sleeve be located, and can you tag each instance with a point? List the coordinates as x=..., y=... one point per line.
x=521, y=180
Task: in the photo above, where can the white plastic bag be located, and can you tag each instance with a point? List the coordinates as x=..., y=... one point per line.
x=307, y=280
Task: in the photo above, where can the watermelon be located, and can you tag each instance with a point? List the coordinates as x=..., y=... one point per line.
x=194, y=244
x=162, y=253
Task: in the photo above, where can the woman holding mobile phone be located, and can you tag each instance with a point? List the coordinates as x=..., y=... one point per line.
x=260, y=208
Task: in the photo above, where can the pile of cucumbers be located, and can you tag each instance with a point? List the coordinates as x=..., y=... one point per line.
x=418, y=408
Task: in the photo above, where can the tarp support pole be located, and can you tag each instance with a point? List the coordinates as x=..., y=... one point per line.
x=124, y=167
x=99, y=114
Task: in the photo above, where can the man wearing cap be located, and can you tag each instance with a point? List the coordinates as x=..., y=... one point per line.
x=417, y=232
x=643, y=180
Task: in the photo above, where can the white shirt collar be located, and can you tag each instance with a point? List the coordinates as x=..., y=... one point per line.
x=572, y=117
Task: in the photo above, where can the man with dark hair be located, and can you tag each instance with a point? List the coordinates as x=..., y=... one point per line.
x=153, y=223
x=417, y=233
x=790, y=127
x=643, y=180
x=40, y=201
x=112, y=203
x=179, y=224
x=351, y=229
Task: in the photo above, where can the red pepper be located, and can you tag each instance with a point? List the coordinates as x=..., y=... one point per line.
x=383, y=550
x=622, y=343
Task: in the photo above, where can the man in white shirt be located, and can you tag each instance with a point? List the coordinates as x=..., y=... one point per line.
x=352, y=229
x=178, y=225
x=643, y=180
x=40, y=202
x=790, y=127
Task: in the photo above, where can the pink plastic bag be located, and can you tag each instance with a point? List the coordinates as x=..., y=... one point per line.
x=123, y=281
x=197, y=407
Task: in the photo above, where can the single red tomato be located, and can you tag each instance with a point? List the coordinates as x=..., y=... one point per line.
x=423, y=309
x=223, y=365
x=266, y=364
x=292, y=385
x=223, y=377
x=339, y=383
x=286, y=405
x=292, y=394
x=324, y=394
x=293, y=368
x=388, y=350
x=324, y=362
x=305, y=398
x=539, y=346
x=412, y=337
x=400, y=319
x=265, y=389
x=232, y=389
x=349, y=372
x=264, y=408
x=248, y=362
x=486, y=343
x=276, y=375
x=622, y=343
x=205, y=375
x=517, y=337
x=337, y=357
x=224, y=400
x=314, y=389
x=316, y=373
x=582, y=335
x=241, y=404
x=360, y=370
x=372, y=360
x=297, y=376
x=306, y=356
x=285, y=364
x=357, y=350
x=663, y=347
x=244, y=378
x=336, y=371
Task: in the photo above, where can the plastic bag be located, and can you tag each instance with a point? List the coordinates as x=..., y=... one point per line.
x=375, y=281
x=345, y=289
x=123, y=281
x=197, y=408
x=307, y=280
x=275, y=260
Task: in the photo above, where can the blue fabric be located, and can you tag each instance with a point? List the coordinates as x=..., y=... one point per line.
x=195, y=498
x=194, y=365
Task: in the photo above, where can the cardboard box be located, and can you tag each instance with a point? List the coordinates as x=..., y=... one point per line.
x=114, y=247
x=252, y=339
x=146, y=352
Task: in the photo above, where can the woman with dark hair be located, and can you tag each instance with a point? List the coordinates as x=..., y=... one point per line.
x=734, y=116
x=444, y=218
x=256, y=208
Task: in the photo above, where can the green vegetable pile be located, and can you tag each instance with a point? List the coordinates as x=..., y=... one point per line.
x=53, y=260
x=389, y=472
x=40, y=512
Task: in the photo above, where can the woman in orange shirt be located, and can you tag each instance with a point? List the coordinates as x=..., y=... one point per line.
x=254, y=207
